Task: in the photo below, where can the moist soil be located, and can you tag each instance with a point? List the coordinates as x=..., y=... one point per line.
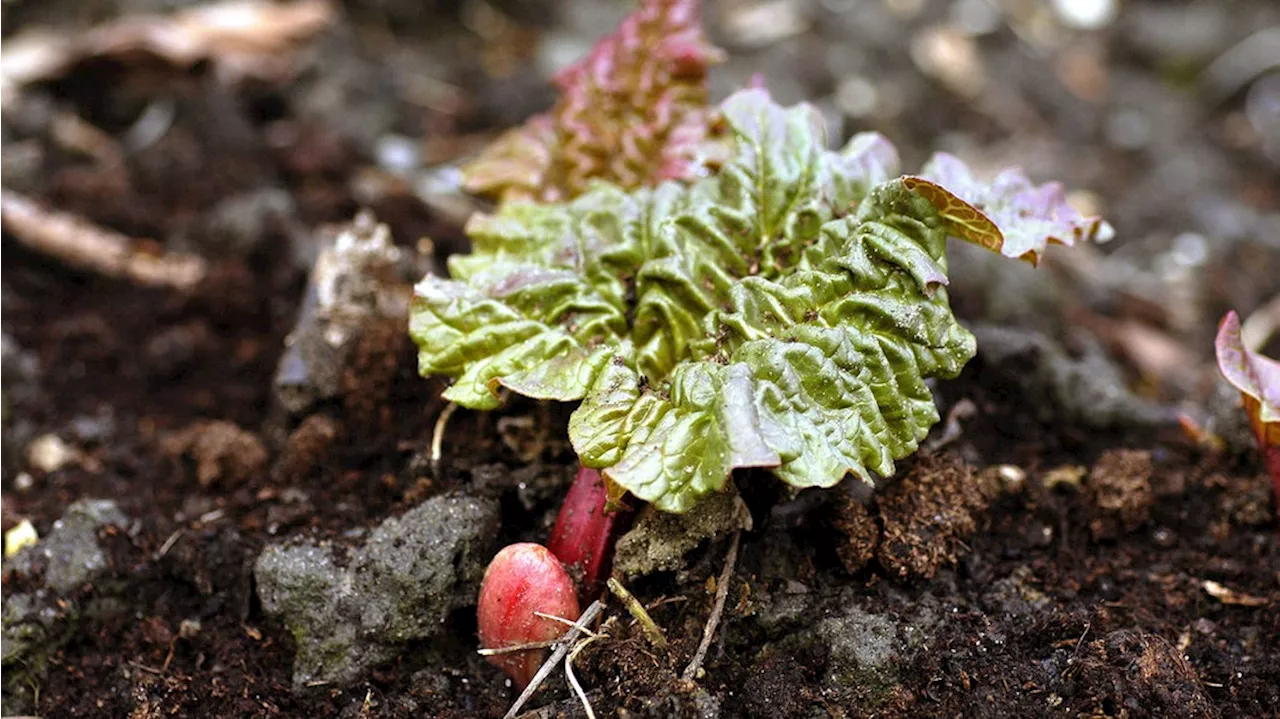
x=1066, y=568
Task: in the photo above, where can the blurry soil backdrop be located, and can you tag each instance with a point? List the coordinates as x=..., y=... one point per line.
x=211, y=499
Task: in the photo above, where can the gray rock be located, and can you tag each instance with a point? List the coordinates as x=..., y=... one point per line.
x=240, y=223
x=71, y=554
x=36, y=624
x=1089, y=390
x=349, y=610
x=991, y=279
x=22, y=635
x=360, y=278
x=1228, y=420
x=865, y=651
x=1015, y=595
x=32, y=626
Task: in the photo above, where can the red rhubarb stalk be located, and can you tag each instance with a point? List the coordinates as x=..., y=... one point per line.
x=586, y=530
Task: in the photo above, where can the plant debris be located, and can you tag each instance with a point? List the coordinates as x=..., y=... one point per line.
x=244, y=39
x=85, y=245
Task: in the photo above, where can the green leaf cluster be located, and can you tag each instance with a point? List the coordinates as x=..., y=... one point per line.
x=784, y=313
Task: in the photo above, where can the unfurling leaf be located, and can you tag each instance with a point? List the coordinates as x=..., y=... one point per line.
x=634, y=112
x=1009, y=215
x=782, y=313
x=1258, y=379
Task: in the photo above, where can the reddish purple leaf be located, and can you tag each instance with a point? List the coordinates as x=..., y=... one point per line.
x=1258, y=379
x=1008, y=215
x=634, y=112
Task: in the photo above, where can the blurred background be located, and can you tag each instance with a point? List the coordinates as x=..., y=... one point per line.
x=1162, y=116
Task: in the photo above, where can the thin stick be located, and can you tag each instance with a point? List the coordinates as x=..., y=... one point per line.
x=633, y=605
x=722, y=592
x=437, y=434
x=83, y=244
x=573, y=680
x=566, y=622
x=517, y=648
x=587, y=617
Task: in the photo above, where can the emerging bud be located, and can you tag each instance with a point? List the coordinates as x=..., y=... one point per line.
x=523, y=579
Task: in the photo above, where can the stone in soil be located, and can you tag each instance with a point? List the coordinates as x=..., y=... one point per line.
x=659, y=541
x=350, y=609
x=38, y=622
x=360, y=280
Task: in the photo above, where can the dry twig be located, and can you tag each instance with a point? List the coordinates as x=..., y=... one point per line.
x=517, y=648
x=566, y=642
x=722, y=592
x=651, y=629
x=83, y=244
x=437, y=436
x=573, y=680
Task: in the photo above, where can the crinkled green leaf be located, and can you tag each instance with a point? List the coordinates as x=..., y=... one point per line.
x=633, y=112
x=783, y=313
x=1009, y=215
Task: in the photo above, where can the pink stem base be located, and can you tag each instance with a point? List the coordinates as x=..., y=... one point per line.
x=584, y=534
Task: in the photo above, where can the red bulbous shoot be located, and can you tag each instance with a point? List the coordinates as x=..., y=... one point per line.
x=585, y=531
x=523, y=579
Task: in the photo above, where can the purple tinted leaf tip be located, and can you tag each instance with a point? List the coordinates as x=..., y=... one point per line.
x=633, y=113
x=1009, y=215
x=1258, y=379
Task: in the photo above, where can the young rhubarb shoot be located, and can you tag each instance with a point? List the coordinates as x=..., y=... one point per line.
x=523, y=581
x=586, y=529
x=783, y=312
x=633, y=112
x=1258, y=379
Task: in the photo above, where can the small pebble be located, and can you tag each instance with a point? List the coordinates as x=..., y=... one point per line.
x=23, y=535
x=48, y=453
x=189, y=628
x=397, y=154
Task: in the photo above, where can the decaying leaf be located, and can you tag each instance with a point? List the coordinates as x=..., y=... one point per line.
x=783, y=313
x=243, y=39
x=1008, y=215
x=1226, y=595
x=1258, y=379
x=634, y=112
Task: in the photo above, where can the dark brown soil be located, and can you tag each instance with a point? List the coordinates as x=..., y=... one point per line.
x=1046, y=598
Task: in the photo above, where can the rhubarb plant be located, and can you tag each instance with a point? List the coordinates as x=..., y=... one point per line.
x=783, y=311
x=1258, y=380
